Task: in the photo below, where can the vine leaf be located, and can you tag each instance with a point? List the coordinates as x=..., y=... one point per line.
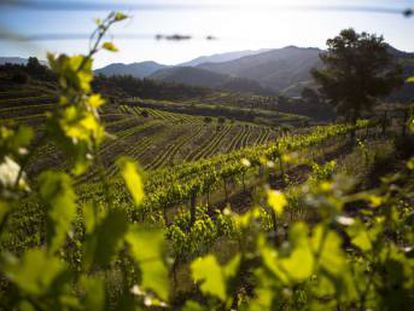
x=208, y=271
x=276, y=201
x=146, y=247
x=133, y=181
x=94, y=298
x=109, y=46
x=104, y=242
x=35, y=272
x=56, y=190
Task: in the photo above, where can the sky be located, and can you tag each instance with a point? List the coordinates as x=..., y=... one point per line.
x=237, y=25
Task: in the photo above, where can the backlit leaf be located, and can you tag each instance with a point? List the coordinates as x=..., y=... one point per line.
x=56, y=191
x=359, y=236
x=133, y=181
x=147, y=249
x=120, y=16
x=109, y=46
x=35, y=272
x=207, y=271
x=276, y=201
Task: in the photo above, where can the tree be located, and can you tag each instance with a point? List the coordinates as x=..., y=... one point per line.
x=34, y=66
x=358, y=69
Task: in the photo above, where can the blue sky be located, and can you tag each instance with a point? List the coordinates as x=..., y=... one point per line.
x=244, y=24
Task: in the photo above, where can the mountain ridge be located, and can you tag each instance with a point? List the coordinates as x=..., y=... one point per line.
x=137, y=69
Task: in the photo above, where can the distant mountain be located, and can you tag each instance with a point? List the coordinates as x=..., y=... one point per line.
x=284, y=71
x=276, y=69
x=406, y=92
x=138, y=70
x=200, y=77
x=220, y=58
x=17, y=61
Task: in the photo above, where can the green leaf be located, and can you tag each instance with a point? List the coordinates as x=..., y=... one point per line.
x=327, y=245
x=133, y=181
x=35, y=272
x=94, y=298
x=359, y=236
x=193, y=306
x=4, y=209
x=146, y=246
x=109, y=46
x=231, y=268
x=411, y=124
x=103, y=244
x=334, y=271
x=410, y=80
x=56, y=191
x=23, y=136
x=299, y=265
x=120, y=16
x=276, y=201
x=208, y=271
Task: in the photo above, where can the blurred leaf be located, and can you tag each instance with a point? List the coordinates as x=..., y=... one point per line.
x=90, y=216
x=4, y=209
x=410, y=164
x=327, y=245
x=56, y=191
x=147, y=249
x=133, y=181
x=96, y=101
x=335, y=272
x=207, y=271
x=109, y=46
x=231, y=268
x=411, y=124
x=359, y=236
x=35, y=272
x=103, y=244
x=299, y=265
x=410, y=80
x=94, y=298
x=23, y=136
x=276, y=200
x=193, y=306
x=120, y=16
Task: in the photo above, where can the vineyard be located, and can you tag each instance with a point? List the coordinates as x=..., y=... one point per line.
x=155, y=137
x=120, y=203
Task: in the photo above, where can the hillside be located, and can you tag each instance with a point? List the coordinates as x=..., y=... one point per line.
x=222, y=57
x=137, y=70
x=276, y=69
x=200, y=77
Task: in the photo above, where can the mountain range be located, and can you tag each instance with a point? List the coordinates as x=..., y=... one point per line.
x=284, y=71
x=265, y=71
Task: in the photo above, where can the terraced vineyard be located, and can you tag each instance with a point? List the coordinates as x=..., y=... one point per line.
x=157, y=138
